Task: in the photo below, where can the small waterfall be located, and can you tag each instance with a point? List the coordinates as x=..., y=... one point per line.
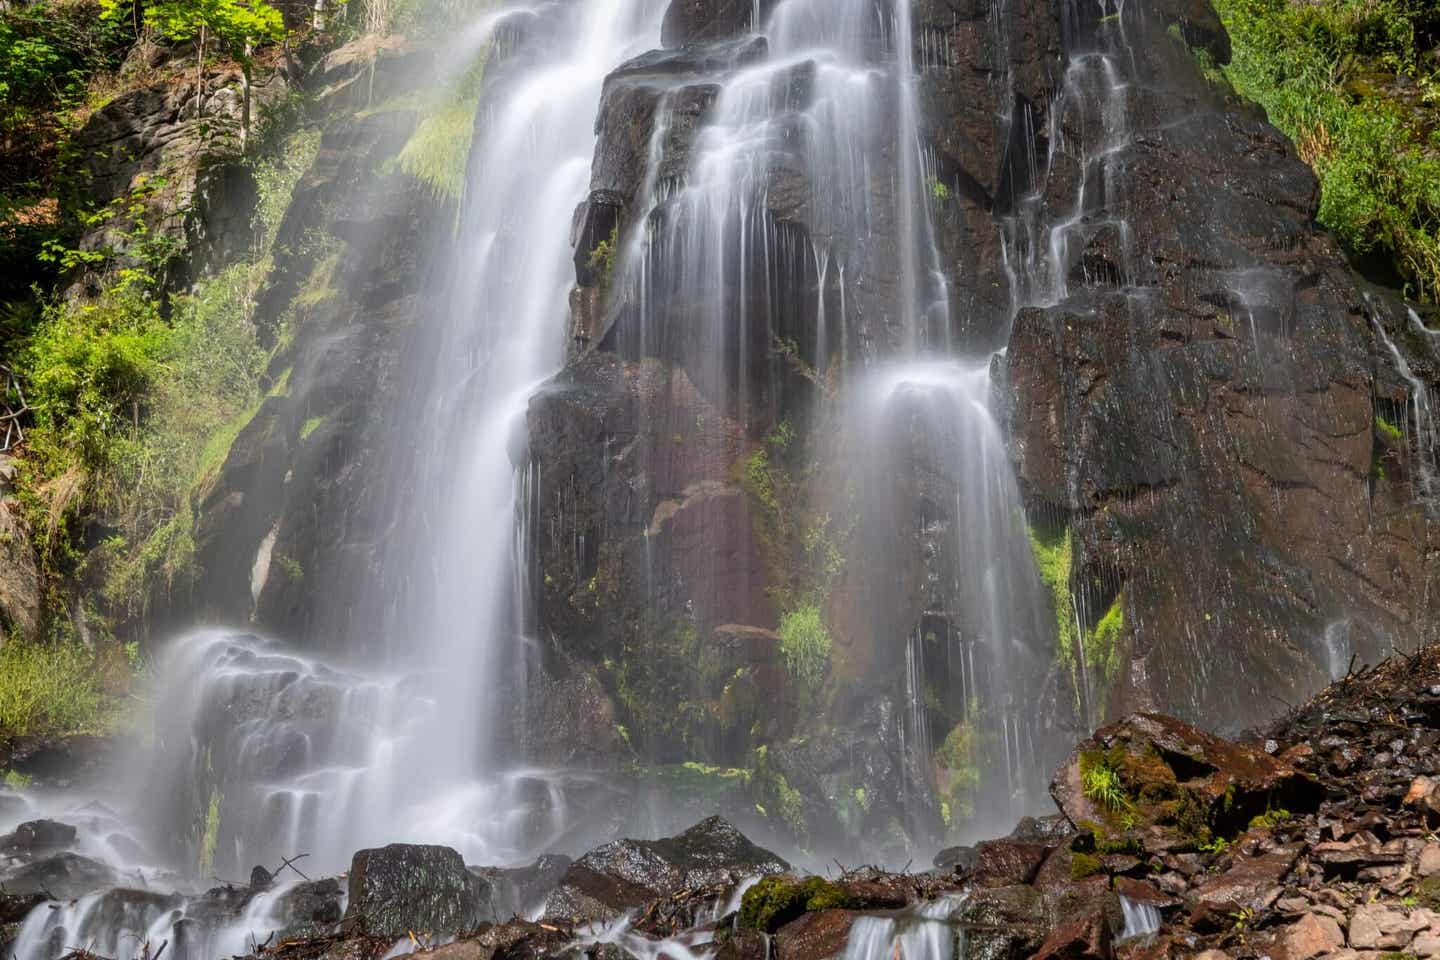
x=1141, y=919
x=970, y=661
x=1420, y=427
x=922, y=933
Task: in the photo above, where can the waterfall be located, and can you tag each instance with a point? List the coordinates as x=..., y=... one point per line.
x=1420, y=426
x=922, y=933
x=1141, y=919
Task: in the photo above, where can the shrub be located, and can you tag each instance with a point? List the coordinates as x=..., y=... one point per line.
x=805, y=644
x=1332, y=75
x=59, y=688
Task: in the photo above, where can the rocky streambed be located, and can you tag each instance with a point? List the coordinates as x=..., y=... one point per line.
x=1319, y=836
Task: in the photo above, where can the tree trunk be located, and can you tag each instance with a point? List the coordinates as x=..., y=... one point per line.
x=245, y=67
x=200, y=74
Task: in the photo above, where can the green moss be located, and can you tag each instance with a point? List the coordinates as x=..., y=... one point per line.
x=310, y=426
x=1427, y=891
x=776, y=900
x=1104, y=648
x=1051, y=549
x=1269, y=819
x=210, y=838
x=959, y=762
x=16, y=781
x=939, y=192
x=1084, y=865
x=438, y=152
x=1389, y=432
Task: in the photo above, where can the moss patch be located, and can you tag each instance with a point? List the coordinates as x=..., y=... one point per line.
x=776, y=900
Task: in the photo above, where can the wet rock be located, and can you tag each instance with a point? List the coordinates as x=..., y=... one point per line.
x=1176, y=782
x=405, y=887
x=624, y=874
x=517, y=891
x=64, y=876
x=15, y=906
x=312, y=907
x=959, y=859
x=1000, y=863
x=1252, y=883
x=38, y=837
x=1311, y=936
x=1429, y=862
x=742, y=944
x=1086, y=937
x=1003, y=922
x=815, y=936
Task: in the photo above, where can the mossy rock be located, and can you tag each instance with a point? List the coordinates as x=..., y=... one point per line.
x=1084, y=865
x=776, y=900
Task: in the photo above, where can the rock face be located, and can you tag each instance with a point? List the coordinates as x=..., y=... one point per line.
x=1190, y=386
x=405, y=887
x=626, y=874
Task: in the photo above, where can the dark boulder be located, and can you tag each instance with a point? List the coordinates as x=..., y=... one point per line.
x=37, y=838
x=625, y=874
x=63, y=876
x=407, y=887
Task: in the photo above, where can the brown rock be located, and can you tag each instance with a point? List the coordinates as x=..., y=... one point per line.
x=1253, y=883
x=1429, y=862
x=1087, y=937
x=813, y=936
x=1000, y=863
x=1161, y=757
x=1426, y=945
x=1311, y=936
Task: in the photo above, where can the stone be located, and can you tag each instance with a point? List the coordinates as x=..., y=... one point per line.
x=1000, y=863
x=1251, y=883
x=625, y=874
x=410, y=887
x=815, y=936
x=1429, y=862
x=1155, y=755
x=1426, y=945
x=1378, y=927
x=64, y=876
x=1311, y=936
x=1084, y=938
x=38, y=837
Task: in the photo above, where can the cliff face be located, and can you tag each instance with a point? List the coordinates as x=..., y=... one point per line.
x=1197, y=397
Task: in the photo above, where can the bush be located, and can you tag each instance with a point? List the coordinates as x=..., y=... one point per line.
x=60, y=688
x=805, y=644
x=1349, y=81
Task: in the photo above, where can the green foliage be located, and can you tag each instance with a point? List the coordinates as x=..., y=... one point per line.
x=1103, y=644
x=59, y=688
x=275, y=180
x=310, y=426
x=938, y=190
x=1350, y=82
x=235, y=24
x=1102, y=785
x=776, y=900
x=438, y=152
x=1270, y=819
x=210, y=837
x=959, y=763
x=16, y=781
x=805, y=644
x=1051, y=549
x=1389, y=431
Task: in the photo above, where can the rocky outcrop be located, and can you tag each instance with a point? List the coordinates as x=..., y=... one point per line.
x=404, y=887
x=19, y=570
x=627, y=874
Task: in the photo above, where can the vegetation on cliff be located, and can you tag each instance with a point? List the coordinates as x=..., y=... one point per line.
x=1356, y=85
